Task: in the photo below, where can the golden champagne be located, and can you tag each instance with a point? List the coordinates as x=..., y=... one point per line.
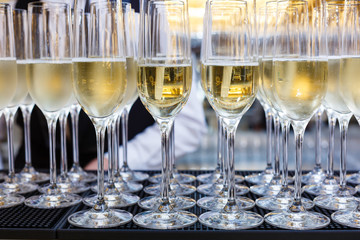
x=299, y=86
x=164, y=89
x=99, y=85
x=349, y=75
x=230, y=89
x=266, y=82
x=50, y=84
x=131, y=76
x=21, y=89
x=8, y=81
x=333, y=99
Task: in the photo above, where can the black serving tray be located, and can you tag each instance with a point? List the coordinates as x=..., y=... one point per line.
x=22, y=222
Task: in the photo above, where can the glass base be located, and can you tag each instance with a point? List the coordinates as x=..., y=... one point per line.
x=66, y=187
x=125, y=187
x=176, y=189
x=336, y=202
x=268, y=190
x=10, y=200
x=118, y=200
x=181, y=178
x=314, y=177
x=231, y=220
x=96, y=219
x=53, y=201
x=328, y=187
x=77, y=174
x=304, y=220
x=134, y=176
x=164, y=220
x=19, y=188
x=208, y=177
x=29, y=174
x=353, y=178
x=218, y=203
x=274, y=203
x=178, y=202
x=219, y=190
x=259, y=178
x=347, y=218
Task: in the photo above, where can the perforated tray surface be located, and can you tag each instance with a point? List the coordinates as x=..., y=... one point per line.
x=22, y=222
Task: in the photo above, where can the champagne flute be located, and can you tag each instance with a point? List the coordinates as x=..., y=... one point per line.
x=299, y=85
x=266, y=175
x=13, y=184
x=284, y=197
x=28, y=173
x=349, y=62
x=99, y=86
x=50, y=83
x=342, y=199
x=76, y=173
x=116, y=197
x=130, y=19
x=8, y=78
x=164, y=85
x=229, y=75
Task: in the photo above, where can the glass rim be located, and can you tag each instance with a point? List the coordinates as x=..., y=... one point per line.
x=45, y=4
x=19, y=10
x=5, y=6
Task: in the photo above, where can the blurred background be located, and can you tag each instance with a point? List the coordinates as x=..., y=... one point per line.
x=251, y=136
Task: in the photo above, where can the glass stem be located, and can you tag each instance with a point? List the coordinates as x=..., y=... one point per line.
x=173, y=169
x=100, y=140
x=318, y=140
x=344, y=125
x=269, y=120
x=330, y=164
x=218, y=168
x=165, y=128
x=111, y=156
x=26, y=111
x=52, y=143
x=285, y=127
x=231, y=126
x=115, y=146
x=299, y=137
x=225, y=157
x=124, y=130
x=277, y=147
x=118, y=169
x=64, y=166
x=74, y=113
x=9, y=117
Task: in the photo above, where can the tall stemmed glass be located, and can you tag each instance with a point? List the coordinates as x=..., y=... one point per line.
x=132, y=95
x=299, y=85
x=50, y=83
x=99, y=86
x=230, y=83
x=284, y=197
x=76, y=173
x=270, y=188
x=12, y=183
x=266, y=175
x=164, y=85
x=8, y=79
x=28, y=173
x=349, y=68
x=342, y=199
x=116, y=197
x=130, y=20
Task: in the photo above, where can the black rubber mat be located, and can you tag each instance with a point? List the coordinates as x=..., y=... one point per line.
x=22, y=222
